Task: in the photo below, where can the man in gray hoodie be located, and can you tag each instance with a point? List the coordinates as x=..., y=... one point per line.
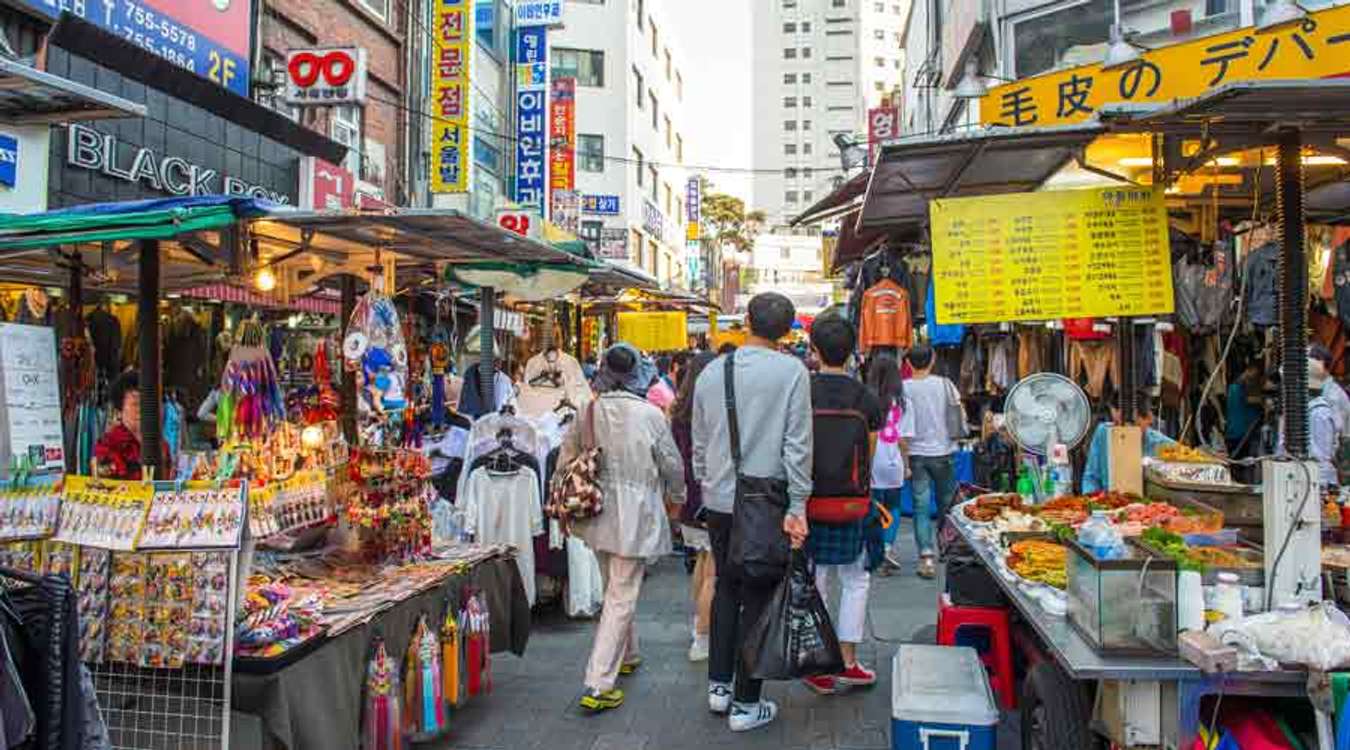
x=773, y=409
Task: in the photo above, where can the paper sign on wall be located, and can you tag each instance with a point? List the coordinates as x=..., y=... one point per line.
x=1101, y=252
x=30, y=403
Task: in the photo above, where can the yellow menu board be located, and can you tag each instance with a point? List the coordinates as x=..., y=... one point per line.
x=1100, y=252
x=654, y=331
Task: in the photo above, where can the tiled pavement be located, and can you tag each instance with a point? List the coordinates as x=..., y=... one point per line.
x=534, y=700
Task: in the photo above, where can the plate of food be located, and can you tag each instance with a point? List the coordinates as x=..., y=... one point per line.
x=1040, y=561
x=1064, y=511
x=985, y=508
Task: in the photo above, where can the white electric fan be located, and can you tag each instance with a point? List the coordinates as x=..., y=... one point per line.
x=1044, y=409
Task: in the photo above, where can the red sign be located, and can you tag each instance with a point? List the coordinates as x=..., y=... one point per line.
x=326, y=76
x=523, y=223
x=883, y=124
x=324, y=186
x=563, y=135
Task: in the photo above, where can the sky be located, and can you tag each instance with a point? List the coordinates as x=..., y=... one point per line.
x=717, y=86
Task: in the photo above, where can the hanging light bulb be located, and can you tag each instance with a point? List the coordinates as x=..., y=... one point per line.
x=312, y=436
x=266, y=281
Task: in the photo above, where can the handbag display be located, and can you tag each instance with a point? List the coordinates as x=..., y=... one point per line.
x=576, y=494
x=758, y=544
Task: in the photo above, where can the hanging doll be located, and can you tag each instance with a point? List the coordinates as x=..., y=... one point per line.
x=440, y=363
x=251, y=403
x=423, y=688
x=374, y=347
x=382, y=730
x=477, y=645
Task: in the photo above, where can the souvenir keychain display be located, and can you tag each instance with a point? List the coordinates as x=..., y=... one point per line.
x=23, y=556
x=262, y=517
x=423, y=695
x=210, y=598
x=382, y=728
x=168, y=609
x=390, y=498
x=29, y=511
x=251, y=403
x=59, y=558
x=126, y=608
x=194, y=515
x=302, y=500
x=104, y=513
x=92, y=602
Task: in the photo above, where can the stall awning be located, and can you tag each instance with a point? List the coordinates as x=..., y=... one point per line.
x=652, y=299
x=1246, y=109
x=608, y=279
x=842, y=200
x=1328, y=204
x=29, y=96
x=910, y=172
x=853, y=244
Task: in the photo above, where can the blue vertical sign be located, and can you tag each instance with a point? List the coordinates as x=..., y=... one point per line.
x=531, y=54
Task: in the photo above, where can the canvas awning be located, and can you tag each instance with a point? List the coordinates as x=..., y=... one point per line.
x=1250, y=109
x=29, y=96
x=842, y=200
x=912, y=171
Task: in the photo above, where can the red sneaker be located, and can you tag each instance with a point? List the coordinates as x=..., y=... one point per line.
x=856, y=676
x=821, y=684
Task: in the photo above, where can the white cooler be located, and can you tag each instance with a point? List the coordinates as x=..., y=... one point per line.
x=940, y=700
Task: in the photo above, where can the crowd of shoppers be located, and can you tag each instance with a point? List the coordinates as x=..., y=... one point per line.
x=703, y=433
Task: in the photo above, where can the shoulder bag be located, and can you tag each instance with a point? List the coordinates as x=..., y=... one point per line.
x=758, y=544
x=957, y=429
x=576, y=494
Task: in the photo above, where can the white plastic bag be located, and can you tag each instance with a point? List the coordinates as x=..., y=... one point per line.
x=1317, y=637
x=585, y=589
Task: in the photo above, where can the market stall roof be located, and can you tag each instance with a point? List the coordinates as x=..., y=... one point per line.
x=30, y=96
x=654, y=299
x=1318, y=106
x=609, y=278
x=842, y=200
x=1328, y=204
x=912, y=171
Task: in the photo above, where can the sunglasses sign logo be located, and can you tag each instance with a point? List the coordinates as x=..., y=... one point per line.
x=324, y=77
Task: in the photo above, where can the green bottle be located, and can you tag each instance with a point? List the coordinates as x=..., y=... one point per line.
x=1026, y=488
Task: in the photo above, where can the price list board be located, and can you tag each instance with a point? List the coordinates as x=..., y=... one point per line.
x=1095, y=253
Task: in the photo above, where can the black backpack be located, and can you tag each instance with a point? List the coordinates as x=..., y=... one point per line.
x=841, y=470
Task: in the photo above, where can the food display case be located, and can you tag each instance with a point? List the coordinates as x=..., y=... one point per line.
x=1239, y=503
x=1124, y=605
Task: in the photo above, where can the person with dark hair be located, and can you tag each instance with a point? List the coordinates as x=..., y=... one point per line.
x=890, y=459
x=1097, y=470
x=118, y=453
x=641, y=468
x=692, y=527
x=726, y=348
x=839, y=549
x=1330, y=389
x=772, y=393
x=932, y=450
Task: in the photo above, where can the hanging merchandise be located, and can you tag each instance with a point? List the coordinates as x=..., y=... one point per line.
x=295, y=503
x=440, y=364
x=477, y=645
x=328, y=402
x=29, y=510
x=375, y=348
x=382, y=728
x=250, y=404
x=450, y=658
x=389, y=501
x=423, y=688
x=887, y=319
x=91, y=590
x=103, y=513
x=194, y=514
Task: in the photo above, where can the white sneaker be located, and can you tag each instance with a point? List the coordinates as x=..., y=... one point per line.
x=748, y=716
x=698, y=650
x=719, y=697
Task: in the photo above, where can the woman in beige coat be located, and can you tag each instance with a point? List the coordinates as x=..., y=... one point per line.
x=640, y=468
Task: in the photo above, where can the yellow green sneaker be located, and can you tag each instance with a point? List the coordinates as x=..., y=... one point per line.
x=594, y=701
x=630, y=666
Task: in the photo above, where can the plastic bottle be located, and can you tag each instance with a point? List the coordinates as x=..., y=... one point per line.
x=1061, y=470
x=1100, y=537
x=1026, y=488
x=1190, y=601
x=1228, y=596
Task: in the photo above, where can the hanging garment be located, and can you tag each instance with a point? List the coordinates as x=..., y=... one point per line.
x=1145, y=356
x=972, y=365
x=1203, y=292
x=1328, y=331
x=1002, y=364
x=886, y=317
x=185, y=360
x=1031, y=351
x=1083, y=329
x=884, y=264
x=505, y=508
x=1260, y=270
x=470, y=401
x=1340, y=281
x=1094, y=361
x=573, y=380
x=106, y=335
x=941, y=334
x=585, y=587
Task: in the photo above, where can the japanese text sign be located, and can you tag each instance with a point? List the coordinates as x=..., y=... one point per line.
x=531, y=119
x=452, y=29
x=562, y=131
x=1100, y=252
x=600, y=205
x=1317, y=47
x=654, y=331
x=325, y=77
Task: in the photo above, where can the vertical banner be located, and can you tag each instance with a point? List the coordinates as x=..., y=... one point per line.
x=883, y=124
x=452, y=27
x=531, y=117
x=562, y=132
x=693, y=208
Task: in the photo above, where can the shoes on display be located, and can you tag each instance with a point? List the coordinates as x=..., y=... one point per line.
x=719, y=697
x=856, y=676
x=748, y=716
x=822, y=684
x=698, y=650
x=595, y=700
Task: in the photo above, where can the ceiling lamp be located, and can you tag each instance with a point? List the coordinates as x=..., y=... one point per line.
x=1280, y=13
x=266, y=281
x=971, y=85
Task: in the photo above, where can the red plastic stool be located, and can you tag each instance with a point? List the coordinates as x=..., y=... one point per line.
x=998, y=659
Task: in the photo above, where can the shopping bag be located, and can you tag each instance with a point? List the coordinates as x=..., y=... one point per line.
x=794, y=637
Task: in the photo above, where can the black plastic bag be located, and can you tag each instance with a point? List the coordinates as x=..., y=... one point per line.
x=794, y=638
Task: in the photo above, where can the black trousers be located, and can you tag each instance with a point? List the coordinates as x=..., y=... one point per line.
x=738, y=602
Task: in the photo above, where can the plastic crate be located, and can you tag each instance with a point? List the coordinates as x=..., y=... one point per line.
x=940, y=700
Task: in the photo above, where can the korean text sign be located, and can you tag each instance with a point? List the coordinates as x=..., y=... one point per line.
x=654, y=331
x=531, y=117
x=1317, y=47
x=600, y=205
x=693, y=204
x=452, y=27
x=207, y=37
x=562, y=135
x=1100, y=252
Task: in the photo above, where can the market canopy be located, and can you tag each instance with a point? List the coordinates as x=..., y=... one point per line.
x=652, y=299
x=1318, y=107
x=608, y=278
x=912, y=171
x=842, y=200
x=29, y=96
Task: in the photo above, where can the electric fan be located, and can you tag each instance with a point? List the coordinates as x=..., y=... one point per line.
x=1044, y=409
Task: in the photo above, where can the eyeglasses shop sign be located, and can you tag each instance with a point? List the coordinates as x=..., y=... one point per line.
x=87, y=148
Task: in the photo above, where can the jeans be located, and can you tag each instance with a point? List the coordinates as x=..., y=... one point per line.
x=934, y=479
x=890, y=499
x=738, y=602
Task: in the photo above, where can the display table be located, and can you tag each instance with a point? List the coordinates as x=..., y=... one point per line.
x=316, y=701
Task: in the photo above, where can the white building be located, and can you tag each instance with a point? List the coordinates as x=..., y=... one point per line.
x=791, y=265
x=630, y=127
x=818, y=66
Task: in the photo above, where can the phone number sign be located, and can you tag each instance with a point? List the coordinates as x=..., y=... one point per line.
x=175, y=31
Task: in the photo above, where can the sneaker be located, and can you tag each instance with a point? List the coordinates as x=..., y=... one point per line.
x=822, y=684
x=926, y=567
x=891, y=560
x=630, y=666
x=748, y=716
x=698, y=650
x=856, y=676
x=595, y=700
x=887, y=569
x=719, y=697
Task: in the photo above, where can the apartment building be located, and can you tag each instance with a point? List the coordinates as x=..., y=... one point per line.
x=818, y=65
x=630, y=136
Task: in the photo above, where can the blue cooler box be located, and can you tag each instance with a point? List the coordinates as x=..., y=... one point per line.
x=940, y=700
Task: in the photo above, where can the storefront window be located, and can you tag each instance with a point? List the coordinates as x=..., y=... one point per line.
x=345, y=128
x=1069, y=35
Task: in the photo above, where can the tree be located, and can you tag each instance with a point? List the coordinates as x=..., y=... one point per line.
x=730, y=223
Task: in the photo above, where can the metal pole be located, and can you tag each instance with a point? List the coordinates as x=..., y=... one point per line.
x=1126, y=397
x=578, y=346
x=147, y=313
x=487, y=321
x=347, y=393
x=76, y=328
x=1293, y=289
